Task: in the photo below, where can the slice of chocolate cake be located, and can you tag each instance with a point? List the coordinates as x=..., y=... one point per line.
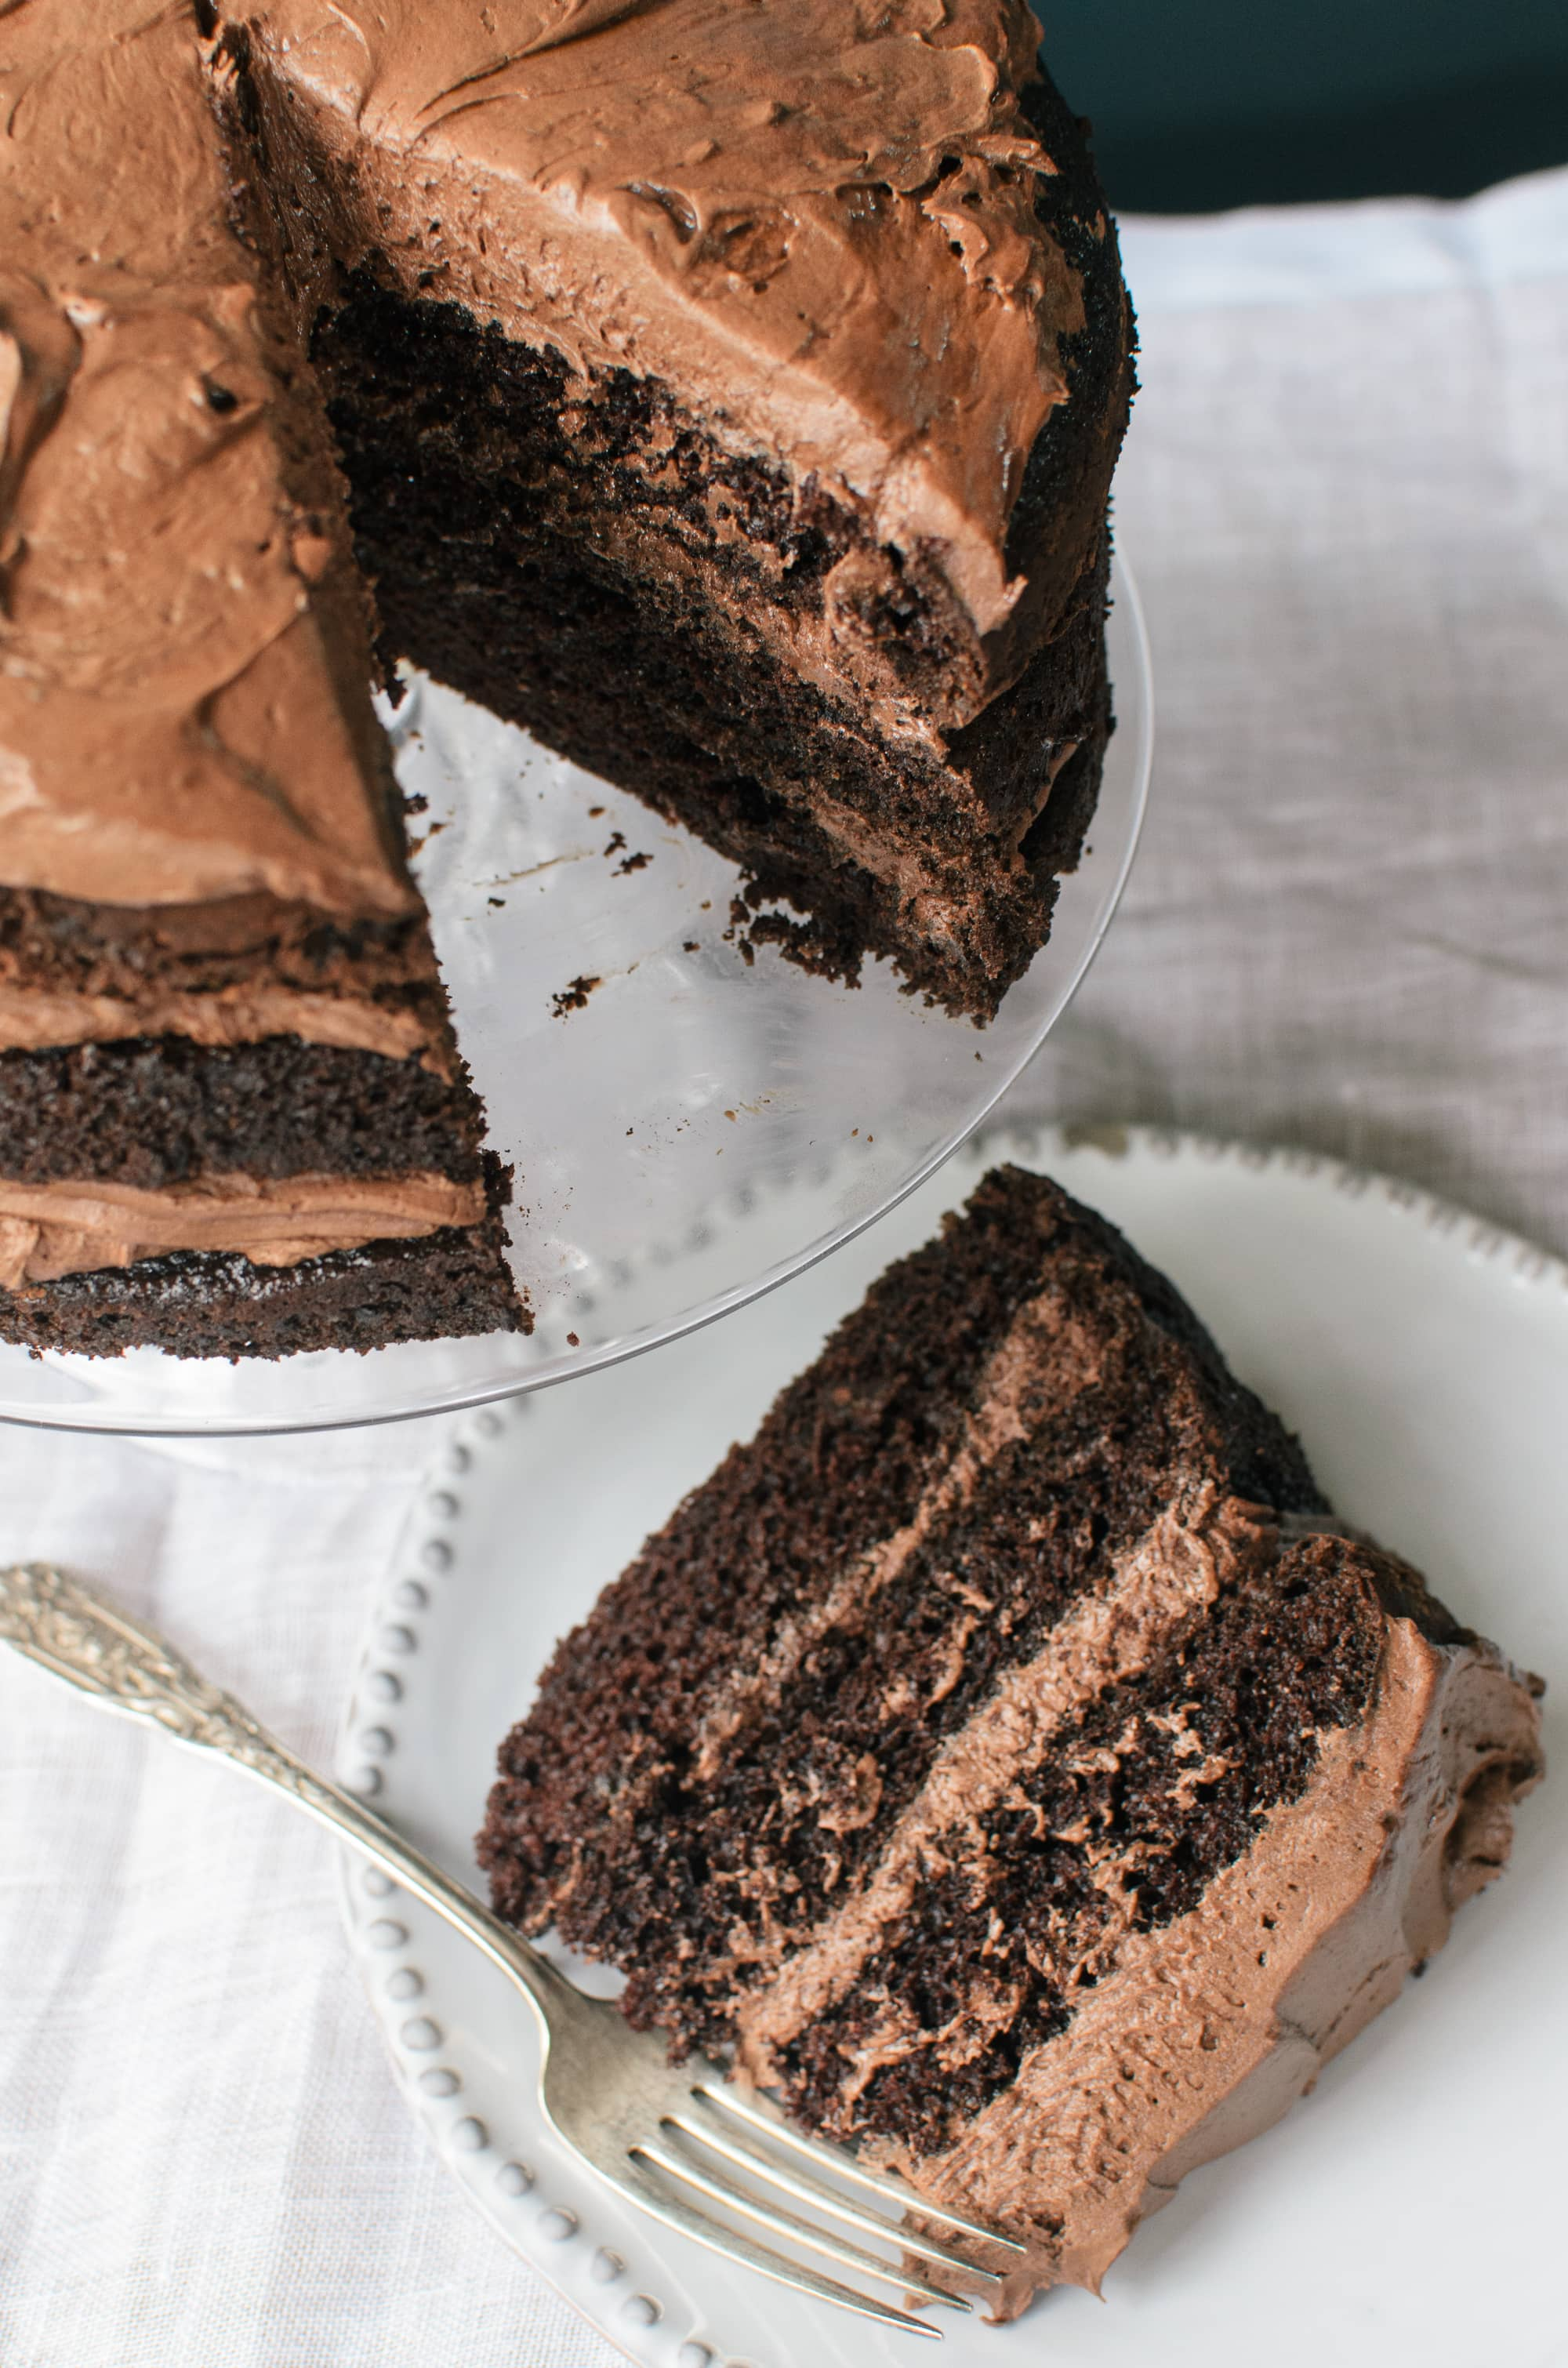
x=1006, y=1757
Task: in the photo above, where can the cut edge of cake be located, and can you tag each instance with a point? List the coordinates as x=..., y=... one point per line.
x=817, y=700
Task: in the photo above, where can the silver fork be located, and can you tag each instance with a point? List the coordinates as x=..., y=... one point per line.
x=675, y=2140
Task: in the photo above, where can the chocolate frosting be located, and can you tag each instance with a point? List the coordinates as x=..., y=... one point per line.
x=817, y=221
x=174, y=720
x=1227, y=2016
x=32, y=1017
x=1179, y=1565
x=49, y=1230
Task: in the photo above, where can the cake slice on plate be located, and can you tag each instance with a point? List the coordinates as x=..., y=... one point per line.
x=1006, y=1757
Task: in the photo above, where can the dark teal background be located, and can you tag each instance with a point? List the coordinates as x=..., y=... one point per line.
x=1200, y=104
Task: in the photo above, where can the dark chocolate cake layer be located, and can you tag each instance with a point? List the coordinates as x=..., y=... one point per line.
x=162, y=1110
x=1005, y=1757
x=514, y=535
x=206, y=1304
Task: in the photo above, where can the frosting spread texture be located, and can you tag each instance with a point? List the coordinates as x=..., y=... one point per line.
x=49, y=1230
x=172, y=724
x=1207, y=2031
x=817, y=220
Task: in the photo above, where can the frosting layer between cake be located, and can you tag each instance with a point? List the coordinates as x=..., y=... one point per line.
x=50, y=1230
x=31, y=1019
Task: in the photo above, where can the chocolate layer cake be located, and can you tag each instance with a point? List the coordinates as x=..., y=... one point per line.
x=728, y=394
x=1006, y=1757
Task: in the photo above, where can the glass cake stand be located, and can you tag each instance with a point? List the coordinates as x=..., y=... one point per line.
x=646, y=1080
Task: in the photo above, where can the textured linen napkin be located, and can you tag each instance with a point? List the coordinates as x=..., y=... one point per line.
x=1346, y=500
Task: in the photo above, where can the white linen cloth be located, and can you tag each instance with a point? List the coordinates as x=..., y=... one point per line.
x=1345, y=499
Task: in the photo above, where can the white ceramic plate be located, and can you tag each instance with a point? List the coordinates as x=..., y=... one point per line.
x=1410, y=2209
x=689, y=1084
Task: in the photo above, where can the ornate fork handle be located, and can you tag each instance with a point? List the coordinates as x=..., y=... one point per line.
x=667, y=2138
x=128, y=1667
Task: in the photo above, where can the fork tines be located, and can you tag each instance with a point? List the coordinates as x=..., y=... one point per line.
x=701, y=2148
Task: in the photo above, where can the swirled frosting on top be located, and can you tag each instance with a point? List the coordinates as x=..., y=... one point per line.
x=817, y=219
x=176, y=721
